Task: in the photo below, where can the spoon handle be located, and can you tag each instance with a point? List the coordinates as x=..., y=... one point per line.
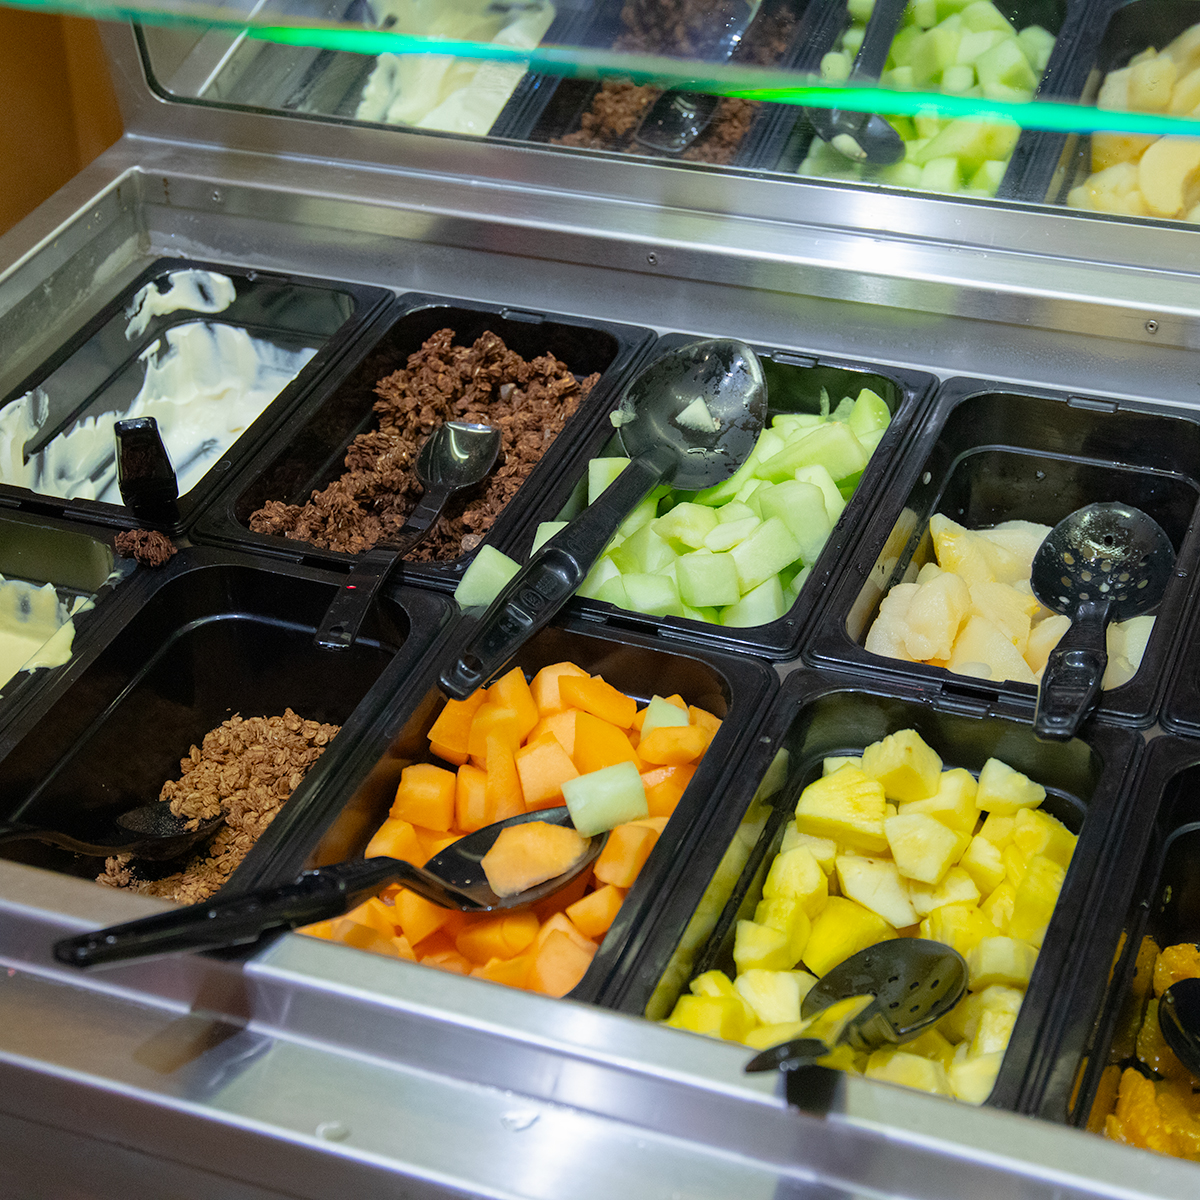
x=235, y=920
x=349, y=607
x=541, y=587
x=1071, y=681
x=15, y=831
x=877, y=41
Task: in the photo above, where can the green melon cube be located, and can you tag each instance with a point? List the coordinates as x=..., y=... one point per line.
x=836, y=67
x=686, y=524
x=924, y=13
x=643, y=551
x=987, y=178
x=654, y=595
x=735, y=510
x=731, y=533
x=601, y=472
x=801, y=507
x=860, y=10
x=660, y=713
x=967, y=141
x=642, y=515
x=606, y=798
x=927, y=127
x=757, y=607
x=545, y=531
x=941, y=175
x=903, y=44
x=1037, y=44
x=958, y=79
x=975, y=43
x=852, y=40
x=707, y=580
x=833, y=445
x=1002, y=138
x=983, y=14
x=710, y=616
x=612, y=591
x=1005, y=64
x=903, y=174
x=1004, y=94
x=485, y=577
x=603, y=570
x=870, y=412
x=788, y=424
x=764, y=553
x=948, y=8
x=834, y=501
x=934, y=53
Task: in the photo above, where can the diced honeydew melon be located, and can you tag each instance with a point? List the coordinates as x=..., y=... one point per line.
x=707, y=580
x=765, y=553
x=870, y=413
x=819, y=475
x=545, y=531
x=836, y=66
x=958, y=79
x=852, y=39
x=759, y=606
x=728, y=534
x=901, y=78
x=708, y=615
x=833, y=446
x=790, y=424
x=941, y=175
x=654, y=595
x=973, y=44
x=983, y=14
x=747, y=493
x=606, y=798
x=935, y=52
x=485, y=577
x=967, y=141
x=643, y=551
x=641, y=516
x=1038, y=44
x=987, y=178
x=801, y=507
x=1005, y=94
x=860, y=10
x=735, y=510
x=603, y=570
x=612, y=591
x=686, y=524
x=791, y=593
x=601, y=472
x=924, y=13
x=660, y=712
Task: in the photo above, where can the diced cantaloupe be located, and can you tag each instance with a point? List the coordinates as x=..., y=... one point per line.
x=493, y=720
x=665, y=787
x=418, y=917
x=425, y=796
x=470, y=796
x=594, y=914
x=673, y=745
x=545, y=690
x=522, y=856
x=513, y=972
x=558, y=966
x=624, y=854
x=600, y=744
x=503, y=936
x=396, y=839
x=543, y=768
x=594, y=695
x=561, y=725
x=452, y=729
x=512, y=691
x=503, y=794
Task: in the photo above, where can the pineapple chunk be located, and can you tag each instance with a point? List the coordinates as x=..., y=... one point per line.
x=1037, y=832
x=716, y=1016
x=1003, y=790
x=766, y=1036
x=959, y=550
x=984, y=650
x=1043, y=637
x=786, y=913
x=997, y=829
x=894, y=1065
x=842, y=929
x=760, y=946
x=796, y=873
x=956, y=888
x=876, y=884
x=837, y=762
x=824, y=850
x=998, y=906
x=846, y=806
x=1003, y=960
x=1037, y=894
x=934, y=615
x=1021, y=539
x=1007, y=608
x=1000, y=1008
x=1015, y=864
x=717, y=983
x=960, y=1023
x=954, y=802
x=923, y=847
x=983, y=862
x=960, y=926
x=773, y=996
x=933, y=1045
x=906, y=767
x=888, y=631
x=972, y=1079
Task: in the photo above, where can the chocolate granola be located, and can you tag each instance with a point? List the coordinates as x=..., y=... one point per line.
x=486, y=383
x=150, y=547
x=245, y=769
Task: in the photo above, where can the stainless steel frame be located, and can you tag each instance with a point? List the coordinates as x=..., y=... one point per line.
x=311, y=1070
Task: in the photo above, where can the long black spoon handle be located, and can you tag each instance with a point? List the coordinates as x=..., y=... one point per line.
x=236, y=920
x=15, y=831
x=1071, y=680
x=349, y=607
x=549, y=579
x=877, y=40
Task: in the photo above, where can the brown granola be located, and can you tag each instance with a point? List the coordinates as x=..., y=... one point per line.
x=245, y=769
x=150, y=547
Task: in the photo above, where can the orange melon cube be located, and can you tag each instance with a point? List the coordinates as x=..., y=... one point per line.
x=319, y=929
x=601, y=699
x=470, y=798
x=417, y=917
x=434, y=841
x=545, y=689
x=363, y=937
x=452, y=728
x=563, y=924
x=504, y=795
x=425, y=796
x=558, y=901
x=560, y=725
x=658, y=824
x=593, y=915
x=403, y=948
x=396, y=839
x=504, y=936
x=600, y=744
x=544, y=766
x=511, y=691
x=376, y=914
x=705, y=720
x=513, y=972
x=625, y=854
x=495, y=720
x=673, y=745
x=526, y=855
x=447, y=754
x=558, y=966
x=447, y=960
x=665, y=787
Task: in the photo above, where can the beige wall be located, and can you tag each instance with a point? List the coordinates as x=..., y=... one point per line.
x=57, y=108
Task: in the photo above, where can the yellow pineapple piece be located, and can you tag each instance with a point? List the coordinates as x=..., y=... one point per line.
x=894, y=1065
x=756, y=945
x=934, y=616
x=717, y=983
x=824, y=850
x=763, y=1037
x=996, y=1020
x=985, y=651
x=972, y=1079
x=846, y=806
x=923, y=847
x=843, y=928
x=960, y=926
x=1043, y=637
x=907, y=768
x=786, y=913
x=1003, y=790
x=1037, y=894
x=875, y=883
x=956, y=888
x=773, y=996
x=998, y=906
x=960, y=1023
x=932, y=1045
x=1016, y=862
x=959, y=550
x=984, y=863
x=953, y=803
x=837, y=762
x=1037, y=832
x=1010, y=610
x=1003, y=960
x=797, y=873
x=1022, y=540
x=716, y=1016
x=888, y=630
x=997, y=829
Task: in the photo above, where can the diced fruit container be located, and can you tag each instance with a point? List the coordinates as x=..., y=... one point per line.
x=99, y=370
x=1018, y=79
x=795, y=381
x=1106, y=46
x=822, y=714
x=173, y=654
x=735, y=689
x=990, y=453
x=1181, y=705
x=78, y=561
x=308, y=452
x=1149, y=891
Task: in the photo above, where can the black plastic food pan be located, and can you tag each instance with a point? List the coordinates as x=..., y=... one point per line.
x=308, y=453
x=1181, y=704
x=355, y=804
x=1060, y=78
x=78, y=562
x=797, y=30
x=102, y=369
x=1115, y=33
x=794, y=384
x=1150, y=888
x=989, y=453
x=216, y=636
x=820, y=714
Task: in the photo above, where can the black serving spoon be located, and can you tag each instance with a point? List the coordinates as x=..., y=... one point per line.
x=456, y=455
x=1105, y=562
x=1179, y=1020
x=152, y=832
x=145, y=476
x=454, y=878
x=915, y=982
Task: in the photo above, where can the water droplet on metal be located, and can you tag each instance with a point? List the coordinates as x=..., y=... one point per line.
x=518, y=1120
x=333, y=1131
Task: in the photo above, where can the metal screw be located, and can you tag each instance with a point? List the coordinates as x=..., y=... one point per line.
x=1151, y=326
x=217, y=197
x=652, y=258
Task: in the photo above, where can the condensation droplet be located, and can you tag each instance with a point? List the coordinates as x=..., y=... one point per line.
x=519, y=1119
x=1086, y=576
x=926, y=477
x=333, y=1131
x=1069, y=559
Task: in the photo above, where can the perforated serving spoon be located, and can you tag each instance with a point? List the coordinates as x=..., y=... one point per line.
x=456, y=455
x=915, y=982
x=1105, y=562
x=152, y=832
x=454, y=878
x=690, y=418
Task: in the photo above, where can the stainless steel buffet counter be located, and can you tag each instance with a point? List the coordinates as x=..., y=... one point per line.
x=312, y=1070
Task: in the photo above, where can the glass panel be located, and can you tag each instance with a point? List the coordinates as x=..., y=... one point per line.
x=1092, y=104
